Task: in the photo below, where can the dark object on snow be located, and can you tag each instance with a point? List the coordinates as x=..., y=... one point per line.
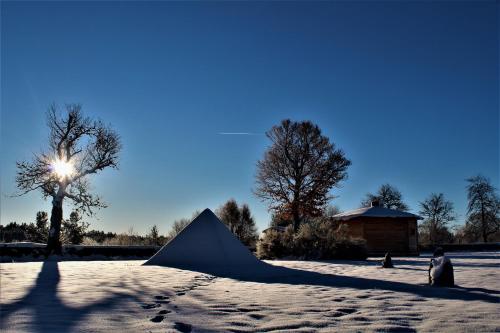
x=157, y=319
x=387, y=262
x=441, y=270
x=184, y=328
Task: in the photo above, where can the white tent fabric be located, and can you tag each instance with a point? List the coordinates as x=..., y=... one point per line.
x=207, y=245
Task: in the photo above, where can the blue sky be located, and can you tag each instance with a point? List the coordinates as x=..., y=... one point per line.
x=409, y=90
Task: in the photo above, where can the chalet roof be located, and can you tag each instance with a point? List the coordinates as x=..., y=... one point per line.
x=375, y=211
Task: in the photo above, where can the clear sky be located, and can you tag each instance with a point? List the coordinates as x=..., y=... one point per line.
x=409, y=90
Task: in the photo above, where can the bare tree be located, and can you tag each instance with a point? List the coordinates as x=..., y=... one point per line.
x=78, y=148
x=387, y=196
x=298, y=170
x=331, y=211
x=181, y=224
x=437, y=213
x=484, y=207
x=177, y=227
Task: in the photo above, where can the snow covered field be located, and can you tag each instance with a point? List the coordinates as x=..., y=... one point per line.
x=123, y=296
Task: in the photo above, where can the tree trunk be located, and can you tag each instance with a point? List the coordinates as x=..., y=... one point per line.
x=296, y=218
x=432, y=234
x=54, y=242
x=483, y=224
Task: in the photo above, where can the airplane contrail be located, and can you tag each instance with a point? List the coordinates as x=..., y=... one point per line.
x=239, y=133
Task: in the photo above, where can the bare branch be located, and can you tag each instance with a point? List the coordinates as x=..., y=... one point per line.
x=89, y=146
x=299, y=169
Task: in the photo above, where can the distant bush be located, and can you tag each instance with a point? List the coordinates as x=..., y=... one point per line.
x=316, y=239
x=97, y=237
x=89, y=241
x=129, y=238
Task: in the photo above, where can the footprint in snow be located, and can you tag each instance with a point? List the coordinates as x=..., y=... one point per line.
x=341, y=312
x=160, y=297
x=256, y=316
x=150, y=306
x=244, y=309
x=157, y=319
x=162, y=301
x=184, y=328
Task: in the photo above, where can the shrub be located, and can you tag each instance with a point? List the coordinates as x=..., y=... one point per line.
x=352, y=249
x=316, y=239
x=126, y=239
x=271, y=246
x=89, y=241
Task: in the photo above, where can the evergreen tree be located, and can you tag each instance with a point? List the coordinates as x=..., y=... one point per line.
x=42, y=229
x=153, y=235
x=74, y=228
x=239, y=221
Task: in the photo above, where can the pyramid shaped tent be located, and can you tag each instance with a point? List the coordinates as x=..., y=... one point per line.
x=207, y=245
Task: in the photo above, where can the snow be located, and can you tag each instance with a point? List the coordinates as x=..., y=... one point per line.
x=207, y=245
x=22, y=244
x=375, y=211
x=438, y=266
x=323, y=296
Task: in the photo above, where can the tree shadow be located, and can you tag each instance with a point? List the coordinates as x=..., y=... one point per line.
x=482, y=290
x=267, y=273
x=454, y=260
x=50, y=314
x=411, y=269
x=458, y=255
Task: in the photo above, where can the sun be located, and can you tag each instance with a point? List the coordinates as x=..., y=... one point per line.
x=62, y=168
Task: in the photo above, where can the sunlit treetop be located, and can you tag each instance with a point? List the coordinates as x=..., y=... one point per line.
x=78, y=147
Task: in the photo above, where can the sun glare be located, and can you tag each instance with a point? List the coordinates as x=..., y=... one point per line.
x=63, y=169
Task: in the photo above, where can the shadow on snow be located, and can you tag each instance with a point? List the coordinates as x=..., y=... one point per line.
x=267, y=273
x=49, y=313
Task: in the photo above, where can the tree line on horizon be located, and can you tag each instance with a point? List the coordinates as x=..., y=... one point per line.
x=295, y=178
x=482, y=222
x=436, y=211
x=75, y=230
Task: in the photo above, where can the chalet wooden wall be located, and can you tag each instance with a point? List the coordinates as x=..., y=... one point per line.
x=395, y=235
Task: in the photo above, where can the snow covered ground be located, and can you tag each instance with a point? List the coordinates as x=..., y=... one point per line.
x=123, y=296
